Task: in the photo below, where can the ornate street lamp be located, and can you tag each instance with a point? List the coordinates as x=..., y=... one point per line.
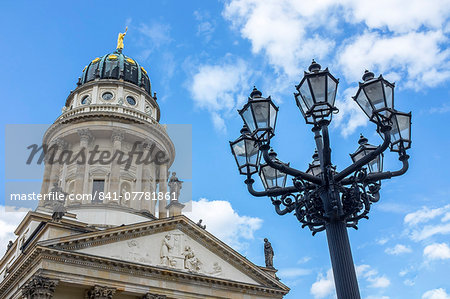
x=314, y=168
x=322, y=198
x=245, y=150
x=364, y=149
x=272, y=177
x=401, y=131
x=316, y=94
x=376, y=98
x=260, y=115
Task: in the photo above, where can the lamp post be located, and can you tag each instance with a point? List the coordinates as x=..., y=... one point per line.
x=322, y=198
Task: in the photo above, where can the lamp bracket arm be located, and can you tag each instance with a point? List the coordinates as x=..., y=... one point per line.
x=286, y=169
x=366, y=159
x=388, y=174
x=271, y=193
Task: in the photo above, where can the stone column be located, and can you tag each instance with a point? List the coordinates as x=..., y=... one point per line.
x=100, y=292
x=162, y=190
x=153, y=187
x=85, y=137
x=39, y=287
x=59, y=145
x=47, y=173
x=146, y=179
x=153, y=296
x=114, y=180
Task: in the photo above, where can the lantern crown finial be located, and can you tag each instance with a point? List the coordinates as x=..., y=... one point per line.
x=255, y=93
x=368, y=75
x=315, y=156
x=314, y=67
x=245, y=130
x=362, y=140
x=272, y=153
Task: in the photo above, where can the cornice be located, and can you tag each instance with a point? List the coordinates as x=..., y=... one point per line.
x=182, y=223
x=83, y=118
x=102, y=82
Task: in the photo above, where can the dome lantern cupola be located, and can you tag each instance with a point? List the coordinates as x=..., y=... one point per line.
x=115, y=83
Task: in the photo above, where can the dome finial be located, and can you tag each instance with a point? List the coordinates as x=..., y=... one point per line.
x=120, y=40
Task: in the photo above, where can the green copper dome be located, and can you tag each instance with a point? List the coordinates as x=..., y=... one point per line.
x=116, y=66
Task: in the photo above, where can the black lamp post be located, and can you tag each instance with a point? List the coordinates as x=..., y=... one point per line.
x=322, y=198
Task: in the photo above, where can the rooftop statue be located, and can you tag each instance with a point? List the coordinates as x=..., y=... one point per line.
x=268, y=253
x=120, y=39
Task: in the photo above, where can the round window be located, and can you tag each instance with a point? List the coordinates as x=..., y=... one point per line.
x=107, y=96
x=131, y=100
x=84, y=100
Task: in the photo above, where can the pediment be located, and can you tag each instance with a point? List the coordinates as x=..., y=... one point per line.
x=171, y=249
x=173, y=244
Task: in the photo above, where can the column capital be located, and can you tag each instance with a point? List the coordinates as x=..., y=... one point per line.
x=85, y=135
x=39, y=287
x=147, y=144
x=100, y=292
x=117, y=135
x=61, y=143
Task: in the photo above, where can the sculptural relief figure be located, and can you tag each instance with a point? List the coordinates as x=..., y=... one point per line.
x=268, y=253
x=125, y=195
x=191, y=262
x=217, y=269
x=166, y=247
x=175, y=186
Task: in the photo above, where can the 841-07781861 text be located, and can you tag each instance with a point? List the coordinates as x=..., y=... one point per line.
x=108, y=196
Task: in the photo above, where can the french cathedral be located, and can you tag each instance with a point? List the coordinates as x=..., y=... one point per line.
x=104, y=247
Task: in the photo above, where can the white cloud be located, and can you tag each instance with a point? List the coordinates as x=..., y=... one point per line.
x=8, y=223
x=372, y=277
x=437, y=251
x=152, y=36
x=416, y=56
x=429, y=231
x=425, y=214
x=447, y=215
x=382, y=241
x=205, y=25
x=409, y=282
x=304, y=259
x=293, y=272
x=379, y=282
x=324, y=285
x=220, y=88
x=436, y=294
x=408, y=42
x=398, y=249
x=282, y=30
x=398, y=15
x=350, y=116
x=224, y=222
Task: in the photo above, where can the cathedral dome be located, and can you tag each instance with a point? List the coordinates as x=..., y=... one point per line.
x=116, y=66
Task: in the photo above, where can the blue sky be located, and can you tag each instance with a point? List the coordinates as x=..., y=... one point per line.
x=203, y=58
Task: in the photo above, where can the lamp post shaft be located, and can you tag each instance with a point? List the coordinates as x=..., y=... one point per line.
x=342, y=261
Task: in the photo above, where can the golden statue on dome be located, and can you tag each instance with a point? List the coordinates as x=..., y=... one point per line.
x=120, y=40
